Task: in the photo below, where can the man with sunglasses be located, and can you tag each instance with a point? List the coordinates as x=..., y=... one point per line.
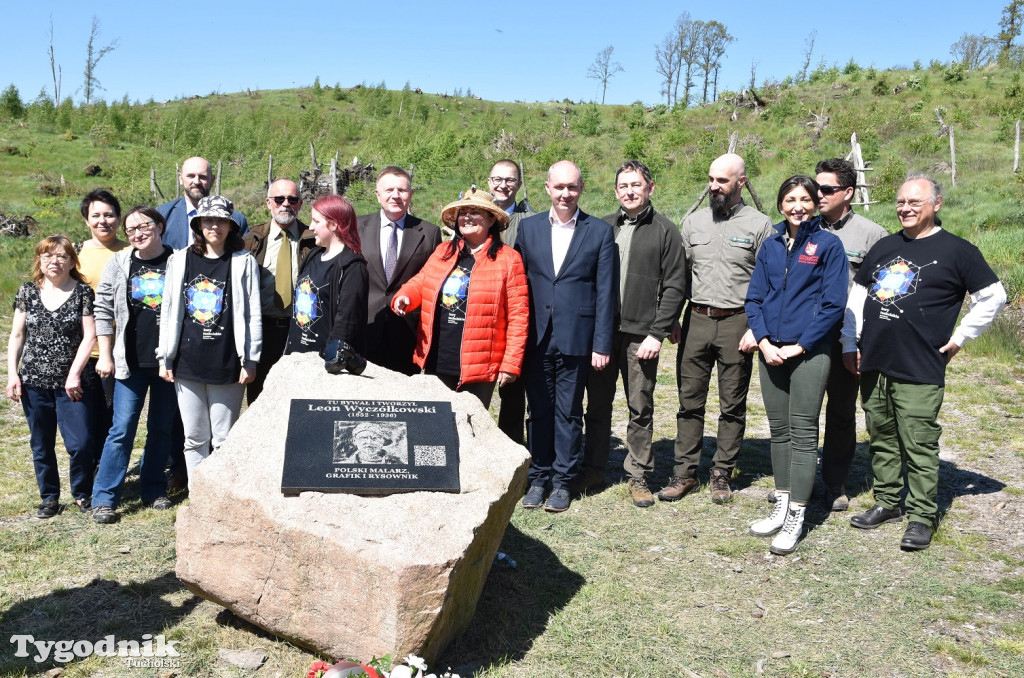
x=837, y=180
x=505, y=182
x=196, y=180
x=279, y=246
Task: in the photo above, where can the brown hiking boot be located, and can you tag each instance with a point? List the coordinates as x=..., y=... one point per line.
x=678, y=488
x=720, y=490
x=642, y=496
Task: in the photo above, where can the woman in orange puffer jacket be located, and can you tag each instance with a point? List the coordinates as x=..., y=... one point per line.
x=474, y=301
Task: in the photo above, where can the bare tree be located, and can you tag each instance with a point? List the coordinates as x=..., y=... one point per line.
x=603, y=68
x=808, y=51
x=711, y=48
x=54, y=68
x=753, y=73
x=666, y=55
x=974, y=51
x=92, y=59
x=675, y=50
x=1010, y=23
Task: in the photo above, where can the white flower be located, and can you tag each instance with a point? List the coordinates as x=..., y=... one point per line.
x=416, y=662
x=401, y=671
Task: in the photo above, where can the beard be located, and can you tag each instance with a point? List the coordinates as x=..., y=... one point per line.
x=196, y=193
x=720, y=204
x=284, y=218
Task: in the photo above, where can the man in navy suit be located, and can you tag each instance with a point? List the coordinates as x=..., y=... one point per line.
x=396, y=245
x=572, y=269
x=196, y=179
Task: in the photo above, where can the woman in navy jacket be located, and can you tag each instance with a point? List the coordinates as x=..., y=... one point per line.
x=794, y=303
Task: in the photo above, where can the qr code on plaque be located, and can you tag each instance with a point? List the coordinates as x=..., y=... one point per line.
x=429, y=455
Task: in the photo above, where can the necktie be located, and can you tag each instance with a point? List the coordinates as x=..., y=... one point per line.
x=392, y=256
x=283, y=277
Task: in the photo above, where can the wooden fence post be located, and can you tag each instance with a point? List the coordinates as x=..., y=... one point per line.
x=334, y=175
x=270, y=172
x=1016, y=147
x=177, y=183
x=952, y=156
x=219, y=167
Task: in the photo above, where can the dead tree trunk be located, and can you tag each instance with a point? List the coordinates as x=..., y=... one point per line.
x=270, y=172
x=177, y=181
x=220, y=166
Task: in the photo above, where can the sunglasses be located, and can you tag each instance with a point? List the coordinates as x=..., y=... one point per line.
x=292, y=199
x=829, y=190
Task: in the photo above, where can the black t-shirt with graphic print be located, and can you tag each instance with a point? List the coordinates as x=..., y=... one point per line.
x=450, y=318
x=145, y=291
x=916, y=289
x=206, y=352
x=309, y=327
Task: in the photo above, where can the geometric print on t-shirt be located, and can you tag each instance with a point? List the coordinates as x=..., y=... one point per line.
x=204, y=300
x=895, y=281
x=307, y=304
x=147, y=289
x=455, y=291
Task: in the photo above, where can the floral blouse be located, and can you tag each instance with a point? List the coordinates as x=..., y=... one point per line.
x=52, y=338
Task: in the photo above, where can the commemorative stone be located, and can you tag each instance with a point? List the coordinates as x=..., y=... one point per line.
x=390, y=555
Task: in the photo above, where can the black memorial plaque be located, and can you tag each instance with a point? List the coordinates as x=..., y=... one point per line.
x=370, y=447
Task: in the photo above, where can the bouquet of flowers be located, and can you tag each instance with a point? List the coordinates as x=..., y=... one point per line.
x=413, y=667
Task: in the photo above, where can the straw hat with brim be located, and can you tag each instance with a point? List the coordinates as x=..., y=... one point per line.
x=213, y=206
x=474, y=197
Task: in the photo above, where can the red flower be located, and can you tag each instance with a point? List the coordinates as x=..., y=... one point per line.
x=318, y=669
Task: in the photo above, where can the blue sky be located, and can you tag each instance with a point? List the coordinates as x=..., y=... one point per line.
x=529, y=50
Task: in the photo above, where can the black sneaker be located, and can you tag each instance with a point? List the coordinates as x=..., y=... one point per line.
x=160, y=504
x=48, y=509
x=104, y=515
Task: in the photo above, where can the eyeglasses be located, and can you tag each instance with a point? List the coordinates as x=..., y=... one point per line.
x=144, y=227
x=292, y=199
x=912, y=204
x=829, y=190
x=50, y=256
x=498, y=181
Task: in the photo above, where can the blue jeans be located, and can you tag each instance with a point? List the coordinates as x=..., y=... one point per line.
x=129, y=396
x=45, y=410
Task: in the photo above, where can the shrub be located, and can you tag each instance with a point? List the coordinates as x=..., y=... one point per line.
x=888, y=180
x=589, y=122
x=851, y=67
x=881, y=87
x=317, y=89
x=10, y=104
x=636, y=145
x=954, y=73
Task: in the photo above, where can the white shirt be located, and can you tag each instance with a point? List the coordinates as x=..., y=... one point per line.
x=189, y=213
x=385, y=235
x=274, y=241
x=561, y=237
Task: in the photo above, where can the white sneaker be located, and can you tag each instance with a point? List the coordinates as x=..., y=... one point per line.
x=792, y=532
x=773, y=523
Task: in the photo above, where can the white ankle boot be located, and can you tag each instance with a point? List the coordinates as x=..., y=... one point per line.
x=773, y=523
x=792, y=532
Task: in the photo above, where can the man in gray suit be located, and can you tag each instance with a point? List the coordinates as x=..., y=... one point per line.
x=396, y=245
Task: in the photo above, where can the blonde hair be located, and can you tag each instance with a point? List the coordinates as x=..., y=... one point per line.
x=52, y=243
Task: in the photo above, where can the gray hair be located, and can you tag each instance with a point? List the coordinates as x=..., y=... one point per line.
x=936, y=187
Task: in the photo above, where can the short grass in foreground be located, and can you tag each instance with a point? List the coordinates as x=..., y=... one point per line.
x=607, y=589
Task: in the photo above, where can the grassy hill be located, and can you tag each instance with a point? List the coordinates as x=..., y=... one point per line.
x=452, y=141
x=605, y=589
